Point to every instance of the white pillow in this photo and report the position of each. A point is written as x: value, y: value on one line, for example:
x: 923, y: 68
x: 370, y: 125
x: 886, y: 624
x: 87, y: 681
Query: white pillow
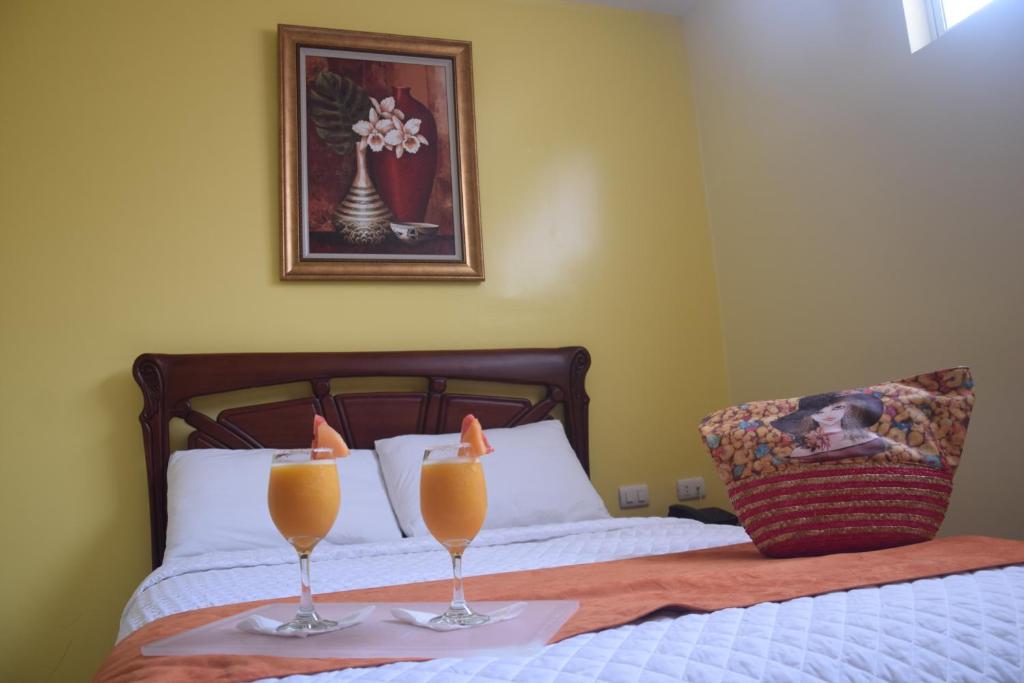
x: 217, y: 500
x: 533, y: 477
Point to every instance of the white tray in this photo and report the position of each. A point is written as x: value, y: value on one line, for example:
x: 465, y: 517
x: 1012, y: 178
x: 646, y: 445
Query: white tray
x: 380, y: 636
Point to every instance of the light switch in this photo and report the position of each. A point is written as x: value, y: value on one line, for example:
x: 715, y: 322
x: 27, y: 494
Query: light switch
x: 634, y: 496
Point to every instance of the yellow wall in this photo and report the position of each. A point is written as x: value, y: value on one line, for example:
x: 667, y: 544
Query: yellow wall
x: 139, y: 212
x: 866, y: 209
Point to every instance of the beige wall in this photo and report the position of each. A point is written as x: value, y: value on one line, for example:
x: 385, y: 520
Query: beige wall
x: 867, y: 211
x: 139, y: 212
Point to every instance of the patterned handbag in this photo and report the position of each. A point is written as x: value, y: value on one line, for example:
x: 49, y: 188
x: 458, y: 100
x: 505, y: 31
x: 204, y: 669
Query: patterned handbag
x: 845, y: 471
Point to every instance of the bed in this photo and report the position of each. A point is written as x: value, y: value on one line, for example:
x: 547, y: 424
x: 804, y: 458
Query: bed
x: 966, y: 626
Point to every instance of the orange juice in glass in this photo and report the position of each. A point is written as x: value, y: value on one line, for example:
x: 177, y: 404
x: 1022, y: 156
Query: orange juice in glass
x: 453, y: 500
x: 304, y: 497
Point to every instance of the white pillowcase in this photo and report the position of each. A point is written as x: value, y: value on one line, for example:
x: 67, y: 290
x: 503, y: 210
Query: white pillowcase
x: 217, y: 500
x: 533, y: 477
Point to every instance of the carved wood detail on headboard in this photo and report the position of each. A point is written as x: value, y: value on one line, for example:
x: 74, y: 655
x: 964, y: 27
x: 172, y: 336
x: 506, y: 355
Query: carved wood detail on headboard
x: 169, y: 383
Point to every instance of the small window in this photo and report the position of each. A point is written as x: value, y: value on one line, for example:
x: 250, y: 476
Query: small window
x: 955, y: 11
x: 929, y: 19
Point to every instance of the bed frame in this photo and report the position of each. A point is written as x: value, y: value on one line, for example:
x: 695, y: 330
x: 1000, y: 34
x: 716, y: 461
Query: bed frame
x: 169, y: 383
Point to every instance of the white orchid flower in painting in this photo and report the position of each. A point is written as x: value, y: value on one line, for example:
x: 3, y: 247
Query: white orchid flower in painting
x: 412, y: 139
x: 386, y: 128
x: 374, y: 131
x: 386, y: 108
x: 405, y: 137
x: 394, y: 137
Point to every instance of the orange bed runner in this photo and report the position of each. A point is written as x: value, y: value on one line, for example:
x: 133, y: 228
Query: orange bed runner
x: 610, y: 594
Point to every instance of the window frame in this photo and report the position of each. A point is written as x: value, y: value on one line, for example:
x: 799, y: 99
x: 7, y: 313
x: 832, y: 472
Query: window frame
x: 926, y: 21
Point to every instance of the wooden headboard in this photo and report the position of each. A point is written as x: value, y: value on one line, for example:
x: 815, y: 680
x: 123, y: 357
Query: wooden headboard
x: 170, y: 383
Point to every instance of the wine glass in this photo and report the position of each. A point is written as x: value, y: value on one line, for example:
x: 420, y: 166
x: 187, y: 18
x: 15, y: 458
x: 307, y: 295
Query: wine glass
x: 303, y: 497
x: 453, y: 500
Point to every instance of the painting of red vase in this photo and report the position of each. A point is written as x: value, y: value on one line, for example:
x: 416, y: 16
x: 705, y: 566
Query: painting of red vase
x: 385, y: 177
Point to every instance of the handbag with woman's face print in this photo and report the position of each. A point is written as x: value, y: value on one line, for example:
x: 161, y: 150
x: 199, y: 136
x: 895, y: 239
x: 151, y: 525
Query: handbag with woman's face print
x: 845, y: 471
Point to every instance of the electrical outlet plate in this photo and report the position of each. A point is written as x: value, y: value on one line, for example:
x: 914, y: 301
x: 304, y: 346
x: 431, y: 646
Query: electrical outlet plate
x: 690, y: 489
x: 635, y: 496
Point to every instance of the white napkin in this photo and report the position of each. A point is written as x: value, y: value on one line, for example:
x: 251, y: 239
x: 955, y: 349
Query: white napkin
x: 268, y: 627
x: 423, y: 618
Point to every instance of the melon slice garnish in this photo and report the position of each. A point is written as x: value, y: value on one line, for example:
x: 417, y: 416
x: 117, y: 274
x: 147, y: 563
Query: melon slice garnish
x: 474, y: 438
x: 324, y: 436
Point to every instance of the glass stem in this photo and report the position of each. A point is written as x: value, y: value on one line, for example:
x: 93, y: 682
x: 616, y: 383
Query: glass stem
x: 306, y: 610
x: 458, y: 597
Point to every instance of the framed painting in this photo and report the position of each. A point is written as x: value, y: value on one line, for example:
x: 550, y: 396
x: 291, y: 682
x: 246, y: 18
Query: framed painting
x: 378, y: 157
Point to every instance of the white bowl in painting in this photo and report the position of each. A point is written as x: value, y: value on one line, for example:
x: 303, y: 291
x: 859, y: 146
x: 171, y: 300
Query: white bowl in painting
x: 411, y: 233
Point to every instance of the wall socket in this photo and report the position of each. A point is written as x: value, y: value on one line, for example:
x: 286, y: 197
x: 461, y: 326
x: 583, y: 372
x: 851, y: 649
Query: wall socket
x: 689, y: 489
x: 635, y: 496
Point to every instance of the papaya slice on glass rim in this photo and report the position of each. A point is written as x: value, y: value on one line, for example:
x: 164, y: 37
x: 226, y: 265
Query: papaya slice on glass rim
x: 324, y: 436
x: 474, y: 438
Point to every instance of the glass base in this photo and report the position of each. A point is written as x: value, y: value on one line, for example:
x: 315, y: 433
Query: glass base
x: 463, y: 618
x: 307, y: 624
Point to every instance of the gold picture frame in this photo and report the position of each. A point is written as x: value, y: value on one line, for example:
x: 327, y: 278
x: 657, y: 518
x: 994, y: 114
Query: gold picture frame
x: 378, y: 157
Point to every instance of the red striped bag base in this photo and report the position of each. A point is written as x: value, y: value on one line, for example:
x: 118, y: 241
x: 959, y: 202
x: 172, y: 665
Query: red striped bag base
x: 848, y: 509
x: 847, y: 471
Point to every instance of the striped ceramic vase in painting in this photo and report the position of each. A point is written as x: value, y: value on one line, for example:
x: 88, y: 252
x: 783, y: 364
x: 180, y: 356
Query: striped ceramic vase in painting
x: 362, y: 217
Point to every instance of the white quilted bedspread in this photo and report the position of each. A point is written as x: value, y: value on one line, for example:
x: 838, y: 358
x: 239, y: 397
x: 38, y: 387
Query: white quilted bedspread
x: 965, y: 627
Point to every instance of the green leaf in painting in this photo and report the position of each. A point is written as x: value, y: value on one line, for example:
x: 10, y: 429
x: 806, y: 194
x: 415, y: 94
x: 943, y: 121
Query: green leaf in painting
x: 338, y: 103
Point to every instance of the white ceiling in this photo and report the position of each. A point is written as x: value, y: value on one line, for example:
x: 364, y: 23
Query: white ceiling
x: 676, y: 7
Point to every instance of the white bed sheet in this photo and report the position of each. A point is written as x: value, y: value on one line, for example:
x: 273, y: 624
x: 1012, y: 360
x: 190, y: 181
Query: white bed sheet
x: 965, y: 627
